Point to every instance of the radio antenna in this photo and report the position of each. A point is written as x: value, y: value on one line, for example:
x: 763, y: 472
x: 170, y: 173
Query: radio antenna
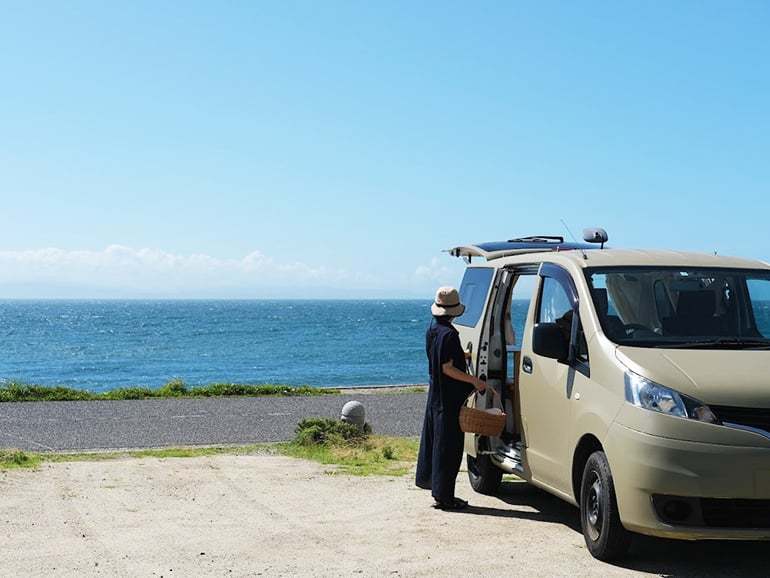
x: 571, y: 234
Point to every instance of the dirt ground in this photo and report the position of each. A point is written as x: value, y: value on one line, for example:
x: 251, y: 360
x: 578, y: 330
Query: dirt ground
x: 275, y: 516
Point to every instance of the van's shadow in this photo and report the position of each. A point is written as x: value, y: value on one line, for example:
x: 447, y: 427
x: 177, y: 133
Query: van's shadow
x: 655, y: 555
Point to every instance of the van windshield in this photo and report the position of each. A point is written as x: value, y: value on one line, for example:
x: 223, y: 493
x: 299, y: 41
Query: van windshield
x: 683, y: 308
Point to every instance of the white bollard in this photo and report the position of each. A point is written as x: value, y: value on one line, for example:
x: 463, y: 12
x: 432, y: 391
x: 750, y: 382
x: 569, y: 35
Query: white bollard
x: 353, y: 412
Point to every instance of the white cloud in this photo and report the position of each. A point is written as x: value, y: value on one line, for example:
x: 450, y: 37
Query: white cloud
x: 439, y: 272
x: 121, y: 270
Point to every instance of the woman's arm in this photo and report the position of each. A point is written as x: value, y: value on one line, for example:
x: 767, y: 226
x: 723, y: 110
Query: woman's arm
x: 450, y: 370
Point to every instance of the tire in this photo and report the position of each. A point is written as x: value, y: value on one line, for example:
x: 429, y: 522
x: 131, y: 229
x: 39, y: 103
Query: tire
x: 485, y: 476
x: 605, y: 536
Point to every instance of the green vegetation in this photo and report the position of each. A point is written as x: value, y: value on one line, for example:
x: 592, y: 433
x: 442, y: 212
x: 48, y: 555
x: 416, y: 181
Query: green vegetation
x: 414, y: 389
x: 377, y: 456
x: 179, y: 452
x: 326, y: 431
x: 355, y: 451
x: 391, y: 389
x: 16, y: 391
x: 13, y: 459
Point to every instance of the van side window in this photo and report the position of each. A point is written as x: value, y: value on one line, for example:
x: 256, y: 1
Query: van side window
x: 554, y: 302
x: 473, y: 294
x: 556, y: 307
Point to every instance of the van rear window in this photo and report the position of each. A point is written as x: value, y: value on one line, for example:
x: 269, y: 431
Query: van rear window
x: 473, y: 294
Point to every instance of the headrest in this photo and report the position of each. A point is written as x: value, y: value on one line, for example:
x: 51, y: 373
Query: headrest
x: 696, y: 304
x: 602, y: 301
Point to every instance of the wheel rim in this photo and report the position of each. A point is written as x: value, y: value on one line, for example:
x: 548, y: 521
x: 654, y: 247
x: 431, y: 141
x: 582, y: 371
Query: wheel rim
x: 594, y: 511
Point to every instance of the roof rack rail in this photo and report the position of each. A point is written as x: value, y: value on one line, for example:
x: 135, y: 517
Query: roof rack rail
x: 538, y: 239
x: 495, y: 250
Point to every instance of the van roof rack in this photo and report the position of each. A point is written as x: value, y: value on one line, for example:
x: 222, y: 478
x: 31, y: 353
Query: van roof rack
x: 538, y: 239
x: 518, y: 246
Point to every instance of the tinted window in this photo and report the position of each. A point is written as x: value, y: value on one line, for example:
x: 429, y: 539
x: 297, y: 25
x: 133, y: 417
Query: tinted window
x: 473, y: 294
x: 684, y: 307
x: 556, y: 307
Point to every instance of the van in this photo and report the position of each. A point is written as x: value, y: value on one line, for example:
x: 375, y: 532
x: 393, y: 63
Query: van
x: 636, y: 384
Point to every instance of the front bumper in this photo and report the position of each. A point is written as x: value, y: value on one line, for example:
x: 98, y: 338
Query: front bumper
x: 645, y: 465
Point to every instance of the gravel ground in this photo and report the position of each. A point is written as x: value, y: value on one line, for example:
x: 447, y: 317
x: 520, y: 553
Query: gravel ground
x: 90, y: 425
x: 274, y: 516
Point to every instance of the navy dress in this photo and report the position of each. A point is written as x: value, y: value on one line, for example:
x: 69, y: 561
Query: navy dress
x: 441, y: 445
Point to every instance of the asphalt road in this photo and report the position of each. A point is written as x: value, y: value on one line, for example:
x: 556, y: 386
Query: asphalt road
x: 91, y: 425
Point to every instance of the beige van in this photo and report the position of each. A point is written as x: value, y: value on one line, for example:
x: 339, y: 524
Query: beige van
x: 636, y: 384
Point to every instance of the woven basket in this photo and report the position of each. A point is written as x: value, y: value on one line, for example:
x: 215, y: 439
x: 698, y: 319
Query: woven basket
x: 480, y: 422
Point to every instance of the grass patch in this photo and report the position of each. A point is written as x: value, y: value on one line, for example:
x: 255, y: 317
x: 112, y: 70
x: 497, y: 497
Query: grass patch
x: 386, y: 389
x: 377, y: 456
x: 414, y: 389
x: 177, y: 452
x: 353, y: 450
x: 12, y: 459
x: 17, y: 391
x: 15, y: 459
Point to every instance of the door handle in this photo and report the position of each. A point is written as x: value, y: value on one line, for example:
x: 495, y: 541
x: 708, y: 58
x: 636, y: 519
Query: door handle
x: 526, y: 364
x: 469, y: 358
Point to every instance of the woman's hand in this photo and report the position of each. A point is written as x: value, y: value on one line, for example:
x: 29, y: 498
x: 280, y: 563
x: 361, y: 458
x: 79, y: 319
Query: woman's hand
x: 479, y: 384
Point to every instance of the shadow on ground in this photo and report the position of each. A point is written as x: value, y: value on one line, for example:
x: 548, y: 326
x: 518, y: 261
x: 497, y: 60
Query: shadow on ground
x: 664, y: 557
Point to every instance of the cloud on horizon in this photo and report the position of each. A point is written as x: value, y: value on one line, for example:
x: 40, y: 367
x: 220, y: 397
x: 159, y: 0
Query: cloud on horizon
x: 120, y: 271
x: 125, y: 271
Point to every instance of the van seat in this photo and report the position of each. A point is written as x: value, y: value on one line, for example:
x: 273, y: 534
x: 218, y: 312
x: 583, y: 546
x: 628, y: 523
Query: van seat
x: 694, y: 315
x: 612, y: 324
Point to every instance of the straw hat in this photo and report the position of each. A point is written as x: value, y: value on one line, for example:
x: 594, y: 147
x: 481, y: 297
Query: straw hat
x: 447, y: 303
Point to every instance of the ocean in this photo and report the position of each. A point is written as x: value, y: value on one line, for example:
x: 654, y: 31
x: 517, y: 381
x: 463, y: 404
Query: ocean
x: 102, y: 345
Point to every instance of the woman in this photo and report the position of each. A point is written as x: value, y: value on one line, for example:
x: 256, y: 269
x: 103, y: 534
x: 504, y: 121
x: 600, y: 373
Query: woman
x: 441, y: 446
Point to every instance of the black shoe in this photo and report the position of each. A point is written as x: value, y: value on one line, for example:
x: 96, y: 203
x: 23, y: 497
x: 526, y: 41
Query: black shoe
x: 454, y: 504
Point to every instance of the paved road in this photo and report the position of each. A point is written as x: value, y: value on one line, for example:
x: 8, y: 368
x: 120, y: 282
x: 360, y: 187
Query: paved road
x: 89, y: 425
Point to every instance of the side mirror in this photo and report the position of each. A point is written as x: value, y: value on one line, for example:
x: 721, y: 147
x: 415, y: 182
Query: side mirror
x: 595, y: 236
x: 549, y: 341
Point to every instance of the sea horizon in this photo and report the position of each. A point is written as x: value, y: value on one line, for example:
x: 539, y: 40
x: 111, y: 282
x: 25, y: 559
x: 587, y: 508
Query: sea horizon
x: 75, y: 299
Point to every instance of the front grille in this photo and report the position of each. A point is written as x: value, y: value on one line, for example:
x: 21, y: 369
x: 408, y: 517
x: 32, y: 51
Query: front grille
x: 756, y: 417
x: 723, y: 513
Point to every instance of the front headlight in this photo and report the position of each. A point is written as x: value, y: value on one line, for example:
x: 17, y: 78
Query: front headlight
x: 647, y: 394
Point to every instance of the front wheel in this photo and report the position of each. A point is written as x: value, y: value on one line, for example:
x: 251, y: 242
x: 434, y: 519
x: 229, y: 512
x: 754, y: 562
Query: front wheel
x: 605, y: 536
x: 485, y: 476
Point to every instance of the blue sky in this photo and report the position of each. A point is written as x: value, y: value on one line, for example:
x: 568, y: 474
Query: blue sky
x: 254, y: 149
